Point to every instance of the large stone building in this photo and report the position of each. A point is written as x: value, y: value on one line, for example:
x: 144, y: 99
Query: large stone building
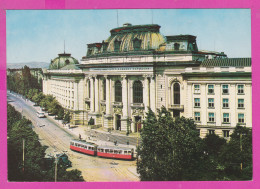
x: 137, y: 67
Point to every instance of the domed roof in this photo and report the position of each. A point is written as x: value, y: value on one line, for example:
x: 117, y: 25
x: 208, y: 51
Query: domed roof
x: 138, y: 37
x: 62, y: 60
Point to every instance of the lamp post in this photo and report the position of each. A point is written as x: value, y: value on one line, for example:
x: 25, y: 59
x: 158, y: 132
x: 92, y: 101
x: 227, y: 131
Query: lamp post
x: 23, y: 154
x: 241, y: 148
x: 56, y: 168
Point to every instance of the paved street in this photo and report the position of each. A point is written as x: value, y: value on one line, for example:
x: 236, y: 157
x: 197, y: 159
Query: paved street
x: 57, y: 138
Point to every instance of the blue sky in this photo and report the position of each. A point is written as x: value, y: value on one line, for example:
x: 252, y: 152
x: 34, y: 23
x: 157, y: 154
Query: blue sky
x: 38, y: 35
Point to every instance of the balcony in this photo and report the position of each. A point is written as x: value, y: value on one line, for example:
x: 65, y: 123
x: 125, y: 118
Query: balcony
x: 137, y: 105
x: 176, y: 107
x: 117, y: 104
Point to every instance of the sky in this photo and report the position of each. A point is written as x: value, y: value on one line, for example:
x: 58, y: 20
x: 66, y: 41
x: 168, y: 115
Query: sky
x: 38, y: 35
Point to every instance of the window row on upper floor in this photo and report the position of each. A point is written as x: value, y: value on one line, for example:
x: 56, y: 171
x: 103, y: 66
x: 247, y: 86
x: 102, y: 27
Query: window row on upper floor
x: 224, y: 87
x: 225, y: 103
x: 211, y: 117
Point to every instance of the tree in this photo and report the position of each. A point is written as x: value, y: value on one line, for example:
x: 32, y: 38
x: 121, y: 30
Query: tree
x: 170, y: 149
x: 26, y: 78
x: 37, y: 97
x: 236, y: 156
x: 213, y: 145
x: 60, y: 114
x: 53, y: 107
x: 36, y: 166
x: 66, y: 118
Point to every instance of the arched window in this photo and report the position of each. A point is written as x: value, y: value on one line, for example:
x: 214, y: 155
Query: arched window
x: 138, y: 92
x: 137, y: 44
x: 104, y: 89
x: 117, y: 44
x: 118, y: 91
x: 176, y: 93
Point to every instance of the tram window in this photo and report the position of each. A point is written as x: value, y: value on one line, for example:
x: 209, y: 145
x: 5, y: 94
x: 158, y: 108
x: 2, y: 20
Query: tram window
x: 98, y: 150
x: 76, y: 144
x: 129, y: 152
x: 120, y: 151
x: 106, y: 150
x: 89, y: 148
x: 125, y: 152
x: 116, y: 152
x: 102, y: 150
x: 111, y: 151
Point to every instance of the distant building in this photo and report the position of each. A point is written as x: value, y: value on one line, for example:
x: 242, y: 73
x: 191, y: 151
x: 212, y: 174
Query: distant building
x: 137, y: 67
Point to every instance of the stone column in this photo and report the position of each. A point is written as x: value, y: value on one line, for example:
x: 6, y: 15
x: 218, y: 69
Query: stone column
x: 108, y: 112
x: 92, y: 97
x: 76, y: 107
x: 152, y: 95
x: 108, y: 122
x: 146, y: 93
x: 124, y: 119
x: 96, y: 94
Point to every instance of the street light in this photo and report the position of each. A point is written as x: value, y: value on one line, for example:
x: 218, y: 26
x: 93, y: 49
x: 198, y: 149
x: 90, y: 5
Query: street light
x: 241, y: 147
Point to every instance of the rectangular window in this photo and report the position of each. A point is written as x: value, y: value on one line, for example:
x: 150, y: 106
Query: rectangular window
x: 211, y: 132
x: 196, y: 88
x: 197, y: 102
x: 211, y: 102
x: 225, y: 89
x: 240, y: 103
x: 225, y: 103
x: 225, y: 133
x: 210, y: 89
x: 197, y: 116
x: 226, y: 118
x: 211, y: 117
x: 241, y: 118
x: 240, y: 89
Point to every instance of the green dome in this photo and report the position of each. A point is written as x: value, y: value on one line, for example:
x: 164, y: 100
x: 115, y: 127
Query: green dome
x: 62, y: 61
x: 148, y: 36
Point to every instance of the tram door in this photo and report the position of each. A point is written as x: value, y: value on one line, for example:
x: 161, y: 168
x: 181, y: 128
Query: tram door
x: 137, y: 123
x: 118, y: 122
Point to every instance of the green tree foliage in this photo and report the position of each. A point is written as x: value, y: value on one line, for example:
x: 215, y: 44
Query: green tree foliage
x: 53, y: 107
x: 67, y: 117
x: 35, y: 168
x: 37, y: 97
x: 26, y: 78
x: 60, y: 114
x: 22, y: 82
x: 170, y: 149
x: 213, y: 144
x: 238, y: 150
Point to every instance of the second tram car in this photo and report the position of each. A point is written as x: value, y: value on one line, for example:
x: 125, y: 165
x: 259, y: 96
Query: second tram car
x: 115, y: 152
x: 93, y: 149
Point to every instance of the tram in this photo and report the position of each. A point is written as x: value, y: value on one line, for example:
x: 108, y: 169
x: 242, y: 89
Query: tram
x: 83, y: 147
x: 93, y: 149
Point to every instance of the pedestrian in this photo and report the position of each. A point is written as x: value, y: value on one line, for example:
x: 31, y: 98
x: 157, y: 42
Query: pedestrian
x: 127, y: 142
x: 115, y: 143
x: 79, y: 137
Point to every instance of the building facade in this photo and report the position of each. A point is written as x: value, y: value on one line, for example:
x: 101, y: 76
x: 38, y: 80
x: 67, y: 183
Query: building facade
x: 138, y: 68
